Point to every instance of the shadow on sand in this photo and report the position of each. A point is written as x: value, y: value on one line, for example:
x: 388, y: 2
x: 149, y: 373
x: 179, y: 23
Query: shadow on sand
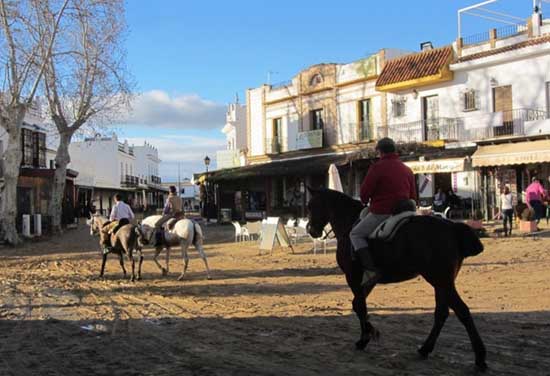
x: 516, y: 344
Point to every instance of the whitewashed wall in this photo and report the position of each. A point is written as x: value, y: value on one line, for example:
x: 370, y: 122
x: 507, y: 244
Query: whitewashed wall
x: 257, y: 132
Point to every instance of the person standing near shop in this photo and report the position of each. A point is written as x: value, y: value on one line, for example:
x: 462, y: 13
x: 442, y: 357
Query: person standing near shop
x: 535, y: 194
x: 507, y: 210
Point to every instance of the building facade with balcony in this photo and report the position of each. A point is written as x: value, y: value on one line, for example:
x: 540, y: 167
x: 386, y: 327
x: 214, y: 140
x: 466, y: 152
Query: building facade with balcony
x: 472, y: 93
x: 450, y: 108
x: 109, y: 167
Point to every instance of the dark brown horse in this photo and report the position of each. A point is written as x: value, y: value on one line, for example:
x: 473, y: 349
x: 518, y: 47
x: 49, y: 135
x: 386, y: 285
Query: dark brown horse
x: 426, y: 246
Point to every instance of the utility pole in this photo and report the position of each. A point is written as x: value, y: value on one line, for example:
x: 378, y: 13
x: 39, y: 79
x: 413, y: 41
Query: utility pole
x: 179, y: 181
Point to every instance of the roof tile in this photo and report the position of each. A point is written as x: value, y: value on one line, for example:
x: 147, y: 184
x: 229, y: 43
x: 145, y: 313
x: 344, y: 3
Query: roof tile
x: 413, y: 66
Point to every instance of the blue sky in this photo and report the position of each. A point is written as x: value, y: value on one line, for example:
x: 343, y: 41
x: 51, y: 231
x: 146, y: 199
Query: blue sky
x: 189, y: 58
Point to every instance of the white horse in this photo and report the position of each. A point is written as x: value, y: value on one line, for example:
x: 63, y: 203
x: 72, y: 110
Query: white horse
x: 185, y: 232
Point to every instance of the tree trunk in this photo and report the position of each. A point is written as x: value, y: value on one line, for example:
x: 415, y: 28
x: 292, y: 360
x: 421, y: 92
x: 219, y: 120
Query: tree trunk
x: 62, y: 159
x: 11, y: 167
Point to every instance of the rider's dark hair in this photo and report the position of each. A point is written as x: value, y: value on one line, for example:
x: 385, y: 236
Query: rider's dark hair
x: 172, y: 189
x: 386, y: 145
x: 118, y: 197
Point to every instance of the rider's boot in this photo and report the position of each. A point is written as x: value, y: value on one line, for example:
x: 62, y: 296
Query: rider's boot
x: 370, y: 274
x: 158, y: 238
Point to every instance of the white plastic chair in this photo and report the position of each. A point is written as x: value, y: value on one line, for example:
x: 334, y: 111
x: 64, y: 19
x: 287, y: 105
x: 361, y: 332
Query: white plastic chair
x: 325, y: 240
x: 240, y: 232
x: 254, y: 229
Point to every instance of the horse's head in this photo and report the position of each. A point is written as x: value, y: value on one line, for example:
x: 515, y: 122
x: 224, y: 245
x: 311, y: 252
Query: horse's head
x: 96, y: 222
x: 336, y: 208
x: 318, y: 212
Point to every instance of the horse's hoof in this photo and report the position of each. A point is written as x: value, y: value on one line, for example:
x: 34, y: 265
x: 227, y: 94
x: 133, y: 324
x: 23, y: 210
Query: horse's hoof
x: 481, y: 365
x: 361, y: 344
x: 139, y: 278
x: 209, y: 278
x: 181, y: 277
x: 164, y: 272
x: 423, y: 353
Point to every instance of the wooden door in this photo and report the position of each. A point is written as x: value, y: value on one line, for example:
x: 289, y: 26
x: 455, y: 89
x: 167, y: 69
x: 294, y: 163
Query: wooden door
x: 502, y: 102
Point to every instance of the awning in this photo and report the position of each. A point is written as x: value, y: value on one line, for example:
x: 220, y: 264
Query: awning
x: 289, y: 167
x: 512, y: 153
x: 437, y: 166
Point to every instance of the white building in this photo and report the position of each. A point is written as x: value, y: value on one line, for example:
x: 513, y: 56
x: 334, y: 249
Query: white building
x: 235, y: 133
x: 109, y: 166
x: 441, y: 104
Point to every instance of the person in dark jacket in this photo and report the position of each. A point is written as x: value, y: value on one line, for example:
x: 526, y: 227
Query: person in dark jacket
x: 388, y: 181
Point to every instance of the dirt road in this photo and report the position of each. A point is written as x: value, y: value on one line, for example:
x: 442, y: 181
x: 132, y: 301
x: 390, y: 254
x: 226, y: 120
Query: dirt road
x: 260, y: 315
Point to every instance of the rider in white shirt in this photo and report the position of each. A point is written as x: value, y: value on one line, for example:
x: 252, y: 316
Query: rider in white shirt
x: 121, y: 214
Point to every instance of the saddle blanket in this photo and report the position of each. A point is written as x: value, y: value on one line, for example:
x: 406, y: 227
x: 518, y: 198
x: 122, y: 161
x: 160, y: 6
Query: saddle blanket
x: 387, y: 229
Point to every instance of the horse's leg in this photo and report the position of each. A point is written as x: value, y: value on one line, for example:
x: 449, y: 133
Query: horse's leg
x: 155, y: 259
x: 133, y: 261
x: 441, y: 314
x: 202, y: 254
x: 103, y: 261
x: 185, y: 257
x: 167, y: 259
x: 463, y: 313
x: 121, y: 261
x: 368, y: 331
x: 139, y: 266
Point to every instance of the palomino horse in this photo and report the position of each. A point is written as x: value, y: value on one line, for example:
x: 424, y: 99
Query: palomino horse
x: 127, y: 239
x: 185, y: 232
x: 426, y: 246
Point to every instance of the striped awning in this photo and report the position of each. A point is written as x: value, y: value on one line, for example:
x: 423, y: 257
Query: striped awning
x: 512, y: 154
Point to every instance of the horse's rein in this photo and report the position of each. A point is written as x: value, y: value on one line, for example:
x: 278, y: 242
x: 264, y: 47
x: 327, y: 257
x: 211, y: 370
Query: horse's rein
x: 327, y: 234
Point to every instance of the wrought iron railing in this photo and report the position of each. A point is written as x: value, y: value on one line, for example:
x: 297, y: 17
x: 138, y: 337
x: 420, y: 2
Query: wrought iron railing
x: 505, y: 124
x: 281, y: 84
x: 421, y: 130
x: 155, y: 179
x: 510, y: 30
x: 129, y: 181
x: 476, y: 38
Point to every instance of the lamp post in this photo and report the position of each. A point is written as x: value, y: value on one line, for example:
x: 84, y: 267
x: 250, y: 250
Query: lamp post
x: 206, y: 163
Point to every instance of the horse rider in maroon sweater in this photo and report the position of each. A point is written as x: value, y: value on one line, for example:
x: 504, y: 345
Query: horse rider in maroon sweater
x: 388, y: 181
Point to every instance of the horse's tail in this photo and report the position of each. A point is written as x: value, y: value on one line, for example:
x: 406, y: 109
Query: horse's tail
x: 467, y: 239
x: 198, y: 233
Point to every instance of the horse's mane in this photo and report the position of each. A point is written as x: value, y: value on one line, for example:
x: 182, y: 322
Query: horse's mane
x: 343, y: 200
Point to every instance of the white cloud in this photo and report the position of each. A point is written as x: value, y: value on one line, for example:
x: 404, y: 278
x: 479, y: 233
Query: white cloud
x: 187, y: 151
x: 158, y: 109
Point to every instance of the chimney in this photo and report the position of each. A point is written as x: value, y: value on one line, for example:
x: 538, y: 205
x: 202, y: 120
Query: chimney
x: 425, y: 46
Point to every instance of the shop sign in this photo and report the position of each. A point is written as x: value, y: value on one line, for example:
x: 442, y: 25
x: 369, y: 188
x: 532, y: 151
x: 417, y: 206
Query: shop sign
x: 436, y: 166
x: 309, y: 139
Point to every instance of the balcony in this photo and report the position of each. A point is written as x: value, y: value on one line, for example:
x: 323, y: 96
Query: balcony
x: 155, y: 180
x: 485, y: 126
x: 503, y: 124
x: 129, y: 181
x: 422, y: 130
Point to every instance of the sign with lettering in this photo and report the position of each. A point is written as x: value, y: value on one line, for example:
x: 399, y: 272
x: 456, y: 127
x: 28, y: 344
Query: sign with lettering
x: 436, y: 166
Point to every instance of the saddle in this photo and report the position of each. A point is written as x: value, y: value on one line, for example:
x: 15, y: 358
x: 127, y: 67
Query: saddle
x: 386, y: 230
x: 169, y: 225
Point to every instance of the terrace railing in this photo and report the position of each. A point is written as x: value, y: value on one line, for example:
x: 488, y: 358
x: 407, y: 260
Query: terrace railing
x: 498, y: 124
x: 421, y: 130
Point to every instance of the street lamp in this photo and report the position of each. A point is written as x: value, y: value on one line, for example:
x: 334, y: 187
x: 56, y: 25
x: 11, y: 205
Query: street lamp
x: 206, y: 163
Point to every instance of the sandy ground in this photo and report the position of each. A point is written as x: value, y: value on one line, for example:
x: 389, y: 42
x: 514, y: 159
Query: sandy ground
x: 260, y: 314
